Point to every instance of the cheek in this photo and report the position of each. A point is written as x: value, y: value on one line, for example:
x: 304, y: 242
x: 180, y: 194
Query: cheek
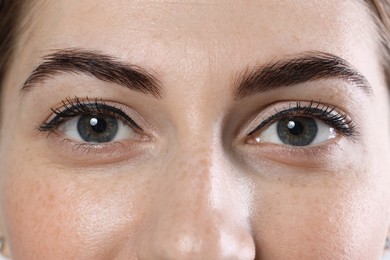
x: 336, y: 217
x: 50, y: 213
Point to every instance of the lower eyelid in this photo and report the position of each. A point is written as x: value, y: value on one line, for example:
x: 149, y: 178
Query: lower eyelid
x: 66, y: 151
x: 324, y: 156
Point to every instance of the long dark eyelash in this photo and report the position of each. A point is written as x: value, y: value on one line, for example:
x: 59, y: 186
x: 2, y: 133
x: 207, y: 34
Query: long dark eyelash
x: 76, y: 107
x: 341, y: 122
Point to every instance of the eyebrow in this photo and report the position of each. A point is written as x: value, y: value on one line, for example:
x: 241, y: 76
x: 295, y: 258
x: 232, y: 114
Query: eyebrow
x: 309, y: 66
x: 100, y: 66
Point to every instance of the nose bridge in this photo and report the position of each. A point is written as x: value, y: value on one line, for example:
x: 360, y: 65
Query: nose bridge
x: 195, y: 214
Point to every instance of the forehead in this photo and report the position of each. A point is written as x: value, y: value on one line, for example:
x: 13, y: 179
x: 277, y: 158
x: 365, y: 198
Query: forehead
x: 268, y: 28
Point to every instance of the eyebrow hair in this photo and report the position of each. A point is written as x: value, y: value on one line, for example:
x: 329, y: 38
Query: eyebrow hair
x: 100, y: 66
x: 309, y: 66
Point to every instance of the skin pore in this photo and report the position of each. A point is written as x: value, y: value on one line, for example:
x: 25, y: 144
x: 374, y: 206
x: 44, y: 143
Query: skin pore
x: 194, y: 181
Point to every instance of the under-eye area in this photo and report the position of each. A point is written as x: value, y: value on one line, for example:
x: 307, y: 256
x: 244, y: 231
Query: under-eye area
x: 300, y: 124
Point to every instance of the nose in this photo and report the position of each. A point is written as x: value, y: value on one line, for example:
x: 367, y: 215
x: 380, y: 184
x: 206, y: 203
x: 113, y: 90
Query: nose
x: 200, y: 212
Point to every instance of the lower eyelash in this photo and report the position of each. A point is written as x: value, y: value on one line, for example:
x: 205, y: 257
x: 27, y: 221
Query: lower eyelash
x: 341, y: 122
x: 77, y: 107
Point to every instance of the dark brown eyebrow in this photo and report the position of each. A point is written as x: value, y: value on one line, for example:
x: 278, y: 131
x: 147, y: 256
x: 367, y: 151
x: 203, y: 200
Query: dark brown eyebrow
x: 309, y: 66
x: 100, y: 66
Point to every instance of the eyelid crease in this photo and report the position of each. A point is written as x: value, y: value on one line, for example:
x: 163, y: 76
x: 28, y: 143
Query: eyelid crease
x: 323, y: 112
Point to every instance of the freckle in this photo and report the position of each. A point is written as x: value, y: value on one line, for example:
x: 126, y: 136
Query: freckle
x: 50, y: 197
x: 296, y: 38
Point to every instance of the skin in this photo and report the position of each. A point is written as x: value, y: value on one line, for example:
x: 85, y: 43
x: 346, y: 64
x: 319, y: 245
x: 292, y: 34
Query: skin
x: 195, y: 188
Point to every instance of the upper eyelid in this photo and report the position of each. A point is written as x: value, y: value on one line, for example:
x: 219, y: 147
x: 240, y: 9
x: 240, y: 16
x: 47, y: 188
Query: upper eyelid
x: 79, y: 107
x: 288, y: 111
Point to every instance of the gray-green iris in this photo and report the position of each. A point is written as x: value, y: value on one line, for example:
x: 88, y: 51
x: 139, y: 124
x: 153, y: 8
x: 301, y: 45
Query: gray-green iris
x: 297, y: 131
x: 97, y: 128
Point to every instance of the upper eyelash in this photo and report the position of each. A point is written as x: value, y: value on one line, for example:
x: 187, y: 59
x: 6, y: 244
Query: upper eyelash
x: 340, y: 121
x: 76, y: 107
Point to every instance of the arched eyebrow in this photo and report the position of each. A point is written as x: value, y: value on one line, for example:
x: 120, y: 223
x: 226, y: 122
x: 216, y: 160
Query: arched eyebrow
x: 306, y: 67
x: 95, y: 64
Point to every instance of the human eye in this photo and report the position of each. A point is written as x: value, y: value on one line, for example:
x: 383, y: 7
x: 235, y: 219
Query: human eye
x: 301, y: 124
x: 92, y: 122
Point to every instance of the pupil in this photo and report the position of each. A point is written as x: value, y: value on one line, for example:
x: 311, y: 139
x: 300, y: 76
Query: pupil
x: 98, y: 125
x: 297, y: 129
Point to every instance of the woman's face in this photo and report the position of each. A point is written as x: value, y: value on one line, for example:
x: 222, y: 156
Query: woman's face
x: 196, y: 130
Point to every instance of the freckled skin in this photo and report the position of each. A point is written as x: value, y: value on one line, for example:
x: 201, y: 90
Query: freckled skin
x: 196, y: 189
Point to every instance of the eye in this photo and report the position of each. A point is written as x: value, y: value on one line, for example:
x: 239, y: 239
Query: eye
x: 301, y: 126
x: 297, y: 131
x: 97, y: 129
x: 93, y: 122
